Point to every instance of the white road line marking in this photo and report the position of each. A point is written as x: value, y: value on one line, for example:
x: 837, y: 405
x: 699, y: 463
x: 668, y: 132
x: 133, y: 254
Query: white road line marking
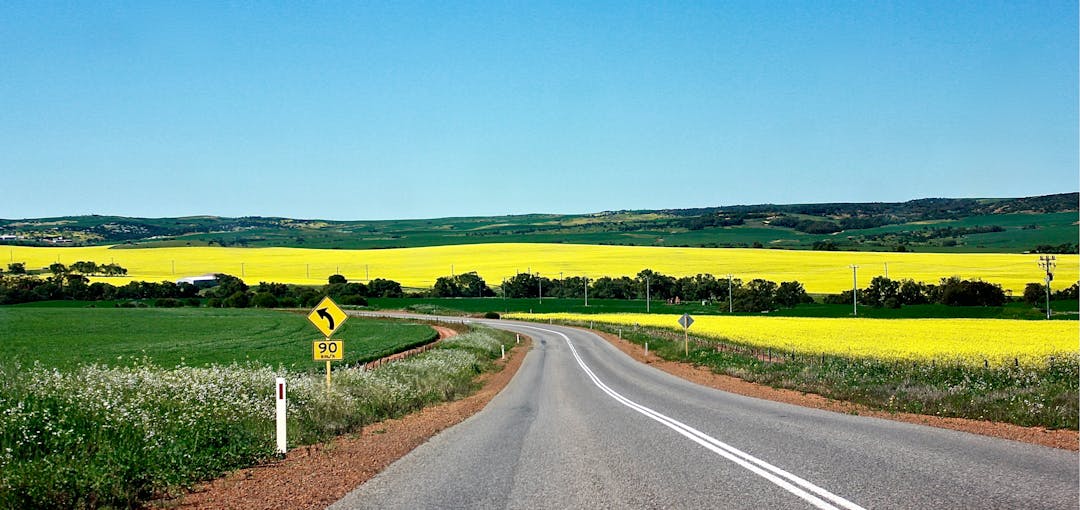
x: 788, y: 481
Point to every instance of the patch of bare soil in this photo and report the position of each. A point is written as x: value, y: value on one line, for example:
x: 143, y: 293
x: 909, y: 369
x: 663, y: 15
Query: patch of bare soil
x: 313, y: 477
x: 1064, y: 439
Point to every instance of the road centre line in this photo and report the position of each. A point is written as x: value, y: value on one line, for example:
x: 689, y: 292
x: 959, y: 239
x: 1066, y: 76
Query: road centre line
x: 788, y: 481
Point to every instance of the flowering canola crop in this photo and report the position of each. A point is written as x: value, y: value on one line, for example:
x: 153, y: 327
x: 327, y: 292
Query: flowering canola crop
x: 820, y: 272
x: 968, y: 341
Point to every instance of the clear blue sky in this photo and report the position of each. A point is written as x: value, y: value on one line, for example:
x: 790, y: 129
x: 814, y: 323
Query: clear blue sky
x: 361, y: 110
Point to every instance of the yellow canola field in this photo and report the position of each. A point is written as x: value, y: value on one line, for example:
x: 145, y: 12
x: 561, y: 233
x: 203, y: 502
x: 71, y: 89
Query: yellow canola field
x: 969, y: 341
x: 820, y: 272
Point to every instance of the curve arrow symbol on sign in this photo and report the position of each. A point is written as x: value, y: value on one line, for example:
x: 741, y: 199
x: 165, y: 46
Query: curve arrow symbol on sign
x: 326, y: 315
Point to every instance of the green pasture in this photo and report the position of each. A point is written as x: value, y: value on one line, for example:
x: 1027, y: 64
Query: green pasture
x: 1022, y: 232
x: 65, y: 337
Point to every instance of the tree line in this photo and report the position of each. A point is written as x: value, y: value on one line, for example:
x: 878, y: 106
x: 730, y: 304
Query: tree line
x: 756, y: 295
x: 752, y: 296
x: 228, y: 291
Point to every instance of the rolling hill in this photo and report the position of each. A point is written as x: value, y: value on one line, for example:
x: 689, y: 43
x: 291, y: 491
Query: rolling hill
x: 1004, y: 225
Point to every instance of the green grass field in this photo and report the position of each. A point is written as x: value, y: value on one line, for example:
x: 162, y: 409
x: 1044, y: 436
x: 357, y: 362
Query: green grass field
x: 1065, y: 310
x: 1052, y: 228
x: 65, y: 337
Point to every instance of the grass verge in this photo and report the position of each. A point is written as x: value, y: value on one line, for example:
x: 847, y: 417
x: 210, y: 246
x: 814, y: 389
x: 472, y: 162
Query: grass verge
x: 96, y: 436
x: 1044, y: 396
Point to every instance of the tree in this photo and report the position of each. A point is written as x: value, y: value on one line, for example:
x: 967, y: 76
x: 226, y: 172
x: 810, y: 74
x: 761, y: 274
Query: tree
x: 1071, y: 292
x: 264, y: 300
x: 78, y: 286
x: 85, y: 267
x: 572, y: 287
x: 472, y: 285
x: 346, y: 292
x: 463, y: 285
x: 384, y: 288
x: 278, y: 290
x: 336, y: 278
x: 446, y: 286
x: 238, y: 299
x: 17, y: 268
x: 790, y: 294
x: 882, y: 292
x: 957, y: 292
x: 612, y: 288
x: 757, y: 295
x: 522, y: 285
x: 112, y: 270
x: 843, y: 298
x: 660, y: 286
x: 912, y: 292
x: 700, y: 287
x: 1034, y: 294
x: 228, y: 285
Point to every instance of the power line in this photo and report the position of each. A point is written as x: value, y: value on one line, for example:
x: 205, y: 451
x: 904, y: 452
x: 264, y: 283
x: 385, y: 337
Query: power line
x: 1048, y: 263
x: 855, y: 289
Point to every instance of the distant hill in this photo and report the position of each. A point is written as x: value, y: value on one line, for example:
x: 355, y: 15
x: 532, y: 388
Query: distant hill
x: 1045, y: 223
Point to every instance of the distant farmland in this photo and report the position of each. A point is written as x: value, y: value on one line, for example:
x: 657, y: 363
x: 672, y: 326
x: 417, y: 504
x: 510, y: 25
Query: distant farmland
x: 820, y: 272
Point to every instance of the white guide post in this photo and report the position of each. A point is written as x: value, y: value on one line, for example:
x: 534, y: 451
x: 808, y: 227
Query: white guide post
x: 279, y: 392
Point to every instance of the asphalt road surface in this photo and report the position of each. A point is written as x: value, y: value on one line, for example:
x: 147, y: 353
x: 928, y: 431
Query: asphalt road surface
x: 582, y: 425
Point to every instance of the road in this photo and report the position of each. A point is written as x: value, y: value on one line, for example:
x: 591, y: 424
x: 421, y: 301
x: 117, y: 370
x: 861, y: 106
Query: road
x: 582, y: 425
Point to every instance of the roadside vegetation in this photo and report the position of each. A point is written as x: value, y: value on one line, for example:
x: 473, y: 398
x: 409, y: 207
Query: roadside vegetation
x: 97, y: 436
x: 1040, y: 390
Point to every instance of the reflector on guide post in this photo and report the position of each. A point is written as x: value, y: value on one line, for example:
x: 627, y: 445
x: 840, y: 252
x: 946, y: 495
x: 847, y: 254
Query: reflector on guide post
x: 281, y: 406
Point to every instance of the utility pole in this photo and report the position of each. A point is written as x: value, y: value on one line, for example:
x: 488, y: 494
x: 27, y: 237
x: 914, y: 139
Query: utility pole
x: 648, y: 300
x: 242, y: 270
x: 886, y: 270
x: 586, y: 291
x: 855, y: 289
x: 1048, y: 263
x: 367, y: 273
x: 730, y: 307
x: 540, y: 283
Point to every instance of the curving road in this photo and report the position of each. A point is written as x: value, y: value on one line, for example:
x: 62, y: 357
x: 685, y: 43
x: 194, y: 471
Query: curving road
x: 582, y: 425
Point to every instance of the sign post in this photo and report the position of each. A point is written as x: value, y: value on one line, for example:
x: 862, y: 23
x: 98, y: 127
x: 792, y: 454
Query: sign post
x: 282, y: 446
x: 327, y: 317
x: 685, y: 321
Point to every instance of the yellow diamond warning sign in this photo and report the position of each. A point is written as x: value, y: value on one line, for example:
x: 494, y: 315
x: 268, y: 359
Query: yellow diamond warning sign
x: 327, y: 316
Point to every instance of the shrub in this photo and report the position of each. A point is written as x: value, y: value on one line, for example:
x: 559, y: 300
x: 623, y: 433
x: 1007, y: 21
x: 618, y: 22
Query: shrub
x: 167, y: 303
x: 264, y: 300
x: 354, y: 300
x: 491, y: 315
